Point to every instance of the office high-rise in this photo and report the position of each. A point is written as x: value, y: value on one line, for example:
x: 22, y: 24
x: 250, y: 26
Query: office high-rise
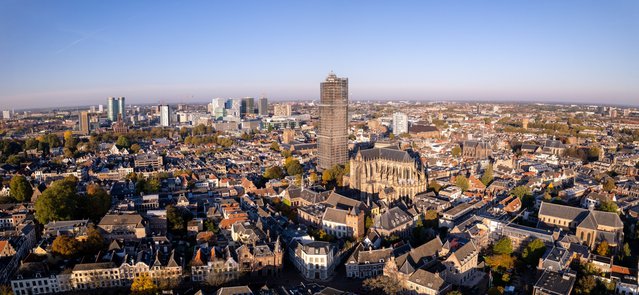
x: 262, y: 106
x: 333, y: 126
x: 121, y: 108
x: 248, y: 106
x: 115, y: 107
x: 165, y: 115
x: 83, y: 123
x: 400, y: 123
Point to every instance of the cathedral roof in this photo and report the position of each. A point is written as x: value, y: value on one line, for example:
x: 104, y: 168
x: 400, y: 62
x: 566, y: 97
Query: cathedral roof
x: 387, y: 153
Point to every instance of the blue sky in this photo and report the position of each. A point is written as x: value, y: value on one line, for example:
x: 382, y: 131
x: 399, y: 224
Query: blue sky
x: 67, y: 52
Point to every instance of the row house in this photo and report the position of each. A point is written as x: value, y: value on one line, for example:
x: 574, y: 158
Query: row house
x: 367, y: 263
x: 214, y: 263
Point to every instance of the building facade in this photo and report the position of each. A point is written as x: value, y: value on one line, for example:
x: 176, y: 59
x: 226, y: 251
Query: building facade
x: 116, y: 106
x: 400, y: 123
x: 389, y: 173
x: 333, y: 125
x: 165, y: 115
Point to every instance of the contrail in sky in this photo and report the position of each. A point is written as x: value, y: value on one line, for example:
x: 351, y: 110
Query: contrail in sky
x: 81, y: 39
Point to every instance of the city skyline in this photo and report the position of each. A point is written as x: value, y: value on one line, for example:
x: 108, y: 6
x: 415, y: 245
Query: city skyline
x: 78, y: 53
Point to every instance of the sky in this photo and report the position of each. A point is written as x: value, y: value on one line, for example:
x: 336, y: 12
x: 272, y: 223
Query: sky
x: 79, y: 52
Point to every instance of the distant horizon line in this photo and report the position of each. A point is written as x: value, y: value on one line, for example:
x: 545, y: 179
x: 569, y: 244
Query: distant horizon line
x: 306, y: 100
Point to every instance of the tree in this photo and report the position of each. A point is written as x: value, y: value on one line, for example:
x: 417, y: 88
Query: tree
x: 20, y: 188
x: 500, y: 262
x: 135, y: 148
x: 496, y: 290
x: 533, y: 251
x: 177, y: 218
x: 609, y: 184
x: 503, y: 247
x: 293, y: 166
x: 431, y: 219
x: 312, y: 177
x: 602, y: 249
x: 454, y: 293
x: 625, y: 253
x: 286, y: 153
x: 143, y: 284
x: 434, y: 186
x: 462, y: 182
x: 65, y: 246
x: 368, y: 222
x: 123, y: 142
x: 58, y: 202
x: 94, y: 242
x: 382, y: 283
x: 608, y: 206
x: 456, y: 151
x: 275, y: 146
x: 585, y: 284
x: 521, y: 191
x: 98, y: 202
x: 487, y: 177
x: 274, y: 172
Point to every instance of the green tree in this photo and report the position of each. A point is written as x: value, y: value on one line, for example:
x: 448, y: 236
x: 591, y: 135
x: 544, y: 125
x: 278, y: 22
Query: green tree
x: 20, y: 188
x: 65, y: 246
x: 58, y: 202
x: 626, y: 253
x: 177, y: 218
x: 462, y: 182
x: 609, y: 184
x: 585, y: 284
x: 487, y: 177
x: 293, y: 166
x: 608, y: 206
x: 98, y: 202
x: 143, y: 284
x: 94, y: 242
x: 274, y: 172
x: 456, y: 151
x: 503, y: 247
x: 123, y: 142
x: 275, y: 146
x: 521, y: 191
x: 455, y: 292
x: 533, y: 251
x: 385, y: 284
x: 368, y: 222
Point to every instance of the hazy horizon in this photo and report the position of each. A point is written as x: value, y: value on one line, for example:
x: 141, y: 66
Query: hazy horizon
x: 80, y: 52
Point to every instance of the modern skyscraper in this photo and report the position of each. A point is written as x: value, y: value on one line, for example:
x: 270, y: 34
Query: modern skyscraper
x: 248, y: 106
x: 83, y: 123
x: 400, y: 123
x: 116, y: 106
x: 262, y: 106
x: 112, y: 109
x: 121, y: 108
x: 165, y: 115
x: 333, y: 126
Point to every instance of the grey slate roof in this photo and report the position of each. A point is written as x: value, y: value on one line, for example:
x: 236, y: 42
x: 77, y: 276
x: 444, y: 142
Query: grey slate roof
x: 387, y: 153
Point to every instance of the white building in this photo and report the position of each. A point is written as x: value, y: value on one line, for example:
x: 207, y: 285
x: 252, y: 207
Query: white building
x: 400, y: 123
x: 165, y: 115
x: 314, y: 259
